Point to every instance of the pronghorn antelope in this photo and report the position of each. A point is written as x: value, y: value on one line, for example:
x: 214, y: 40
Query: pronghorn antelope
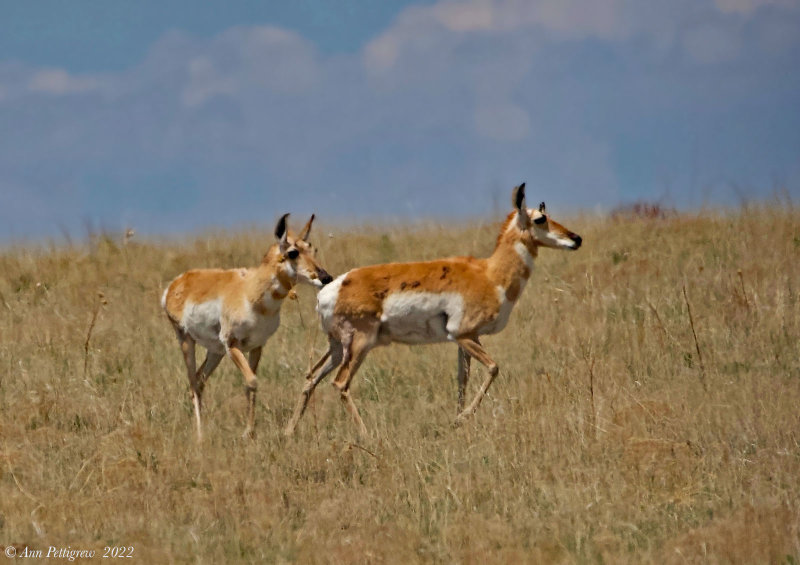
x: 235, y: 311
x: 456, y: 299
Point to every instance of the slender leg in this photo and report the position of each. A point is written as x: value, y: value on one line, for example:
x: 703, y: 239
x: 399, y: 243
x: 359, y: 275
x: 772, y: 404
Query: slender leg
x: 474, y: 349
x: 463, y: 375
x: 209, y: 365
x: 361, y: 345
x: 199, y: 383
x: 326, y: 364
x: 320, y: 362
x: 254, y: 357
x: 251, y: 385
x: 187, y: 348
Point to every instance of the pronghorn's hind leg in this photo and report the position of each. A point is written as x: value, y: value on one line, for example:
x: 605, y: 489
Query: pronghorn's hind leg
x: 327, y: 363
x: 187, y: 348
x: 199, y: 383
x: 463, y: 376
x: 473, y: 348
x: 364, y: 337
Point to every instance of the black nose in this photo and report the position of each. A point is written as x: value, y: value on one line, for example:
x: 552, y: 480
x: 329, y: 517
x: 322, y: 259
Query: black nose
x: 325, y: 278
x: 578, y: 240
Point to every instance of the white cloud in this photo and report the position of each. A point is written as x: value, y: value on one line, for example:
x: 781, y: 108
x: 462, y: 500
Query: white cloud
x: 59, y: 81
x: 575, y: 19
x: 267, y: 56
x: 467, y: 16
x: 603, y: 18
x: 381, y: 53
x: 609, y: 20
x: 572, y: 18
x: 709, y: 44
x: 205, y: 82
x: 747, y: 7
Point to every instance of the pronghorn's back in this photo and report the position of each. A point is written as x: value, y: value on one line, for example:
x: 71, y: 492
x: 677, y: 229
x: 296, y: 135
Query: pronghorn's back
x: 201, y: 285
x: 423, y: 302
x: 209, y: 304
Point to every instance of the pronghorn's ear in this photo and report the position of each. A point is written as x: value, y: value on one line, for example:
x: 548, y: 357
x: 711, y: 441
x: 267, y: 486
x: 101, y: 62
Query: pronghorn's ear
x: 282, y: 232
x: 306, y: 228
x: 518, y: 197
x: 518, y: 201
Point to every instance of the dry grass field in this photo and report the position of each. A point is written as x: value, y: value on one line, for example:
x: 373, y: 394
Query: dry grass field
x: 611, y: 435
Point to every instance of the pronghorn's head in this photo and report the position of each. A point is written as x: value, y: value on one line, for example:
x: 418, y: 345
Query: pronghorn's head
x: 299, y: 256
x: 545, y: 231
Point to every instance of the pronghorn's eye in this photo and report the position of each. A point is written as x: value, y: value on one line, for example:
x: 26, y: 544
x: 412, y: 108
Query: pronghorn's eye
x: 293, y: 254
x: 540, y: 220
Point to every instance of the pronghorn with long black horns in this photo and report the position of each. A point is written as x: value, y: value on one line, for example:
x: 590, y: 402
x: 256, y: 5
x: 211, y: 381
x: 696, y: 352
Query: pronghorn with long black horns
x: 457, y: 299
x: 235, y: 311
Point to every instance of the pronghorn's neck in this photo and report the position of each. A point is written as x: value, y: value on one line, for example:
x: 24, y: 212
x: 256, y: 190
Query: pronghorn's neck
x: 273, y: 278
x: 511, y: 263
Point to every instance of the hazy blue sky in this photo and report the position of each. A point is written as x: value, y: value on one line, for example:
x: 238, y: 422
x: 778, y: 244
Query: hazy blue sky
x: 173, y: 116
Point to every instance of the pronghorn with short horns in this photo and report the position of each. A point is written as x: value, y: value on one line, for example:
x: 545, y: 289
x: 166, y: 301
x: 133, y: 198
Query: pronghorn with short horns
x: 235, y: 311
x: 457, y: 299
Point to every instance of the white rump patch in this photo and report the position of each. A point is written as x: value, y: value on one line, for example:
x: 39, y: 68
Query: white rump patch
x: 164, y: 298
x: 422, y: 317
x: 326, y: 300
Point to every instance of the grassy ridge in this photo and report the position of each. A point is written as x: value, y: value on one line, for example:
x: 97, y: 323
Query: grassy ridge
x: 612, y: 434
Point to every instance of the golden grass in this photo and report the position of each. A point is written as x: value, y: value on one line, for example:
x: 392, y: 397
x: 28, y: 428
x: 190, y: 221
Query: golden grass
x: 604, y: 438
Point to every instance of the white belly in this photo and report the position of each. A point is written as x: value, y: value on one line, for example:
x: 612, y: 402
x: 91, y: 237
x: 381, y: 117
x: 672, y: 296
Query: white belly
x: 202, y: 322
x: 422, y: 317
x: 255, y: 332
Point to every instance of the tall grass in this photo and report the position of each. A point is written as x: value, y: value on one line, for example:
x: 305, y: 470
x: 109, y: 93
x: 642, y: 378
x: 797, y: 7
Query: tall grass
x: 618, y: 430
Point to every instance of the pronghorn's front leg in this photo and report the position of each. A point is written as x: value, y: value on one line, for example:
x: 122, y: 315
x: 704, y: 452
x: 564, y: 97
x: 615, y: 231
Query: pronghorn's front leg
x: 251, y: 385
x: 463, y: 375
x: 206, y: 368
x: 254, y: 357
x: 326, y: 364
x: 475, y: 349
